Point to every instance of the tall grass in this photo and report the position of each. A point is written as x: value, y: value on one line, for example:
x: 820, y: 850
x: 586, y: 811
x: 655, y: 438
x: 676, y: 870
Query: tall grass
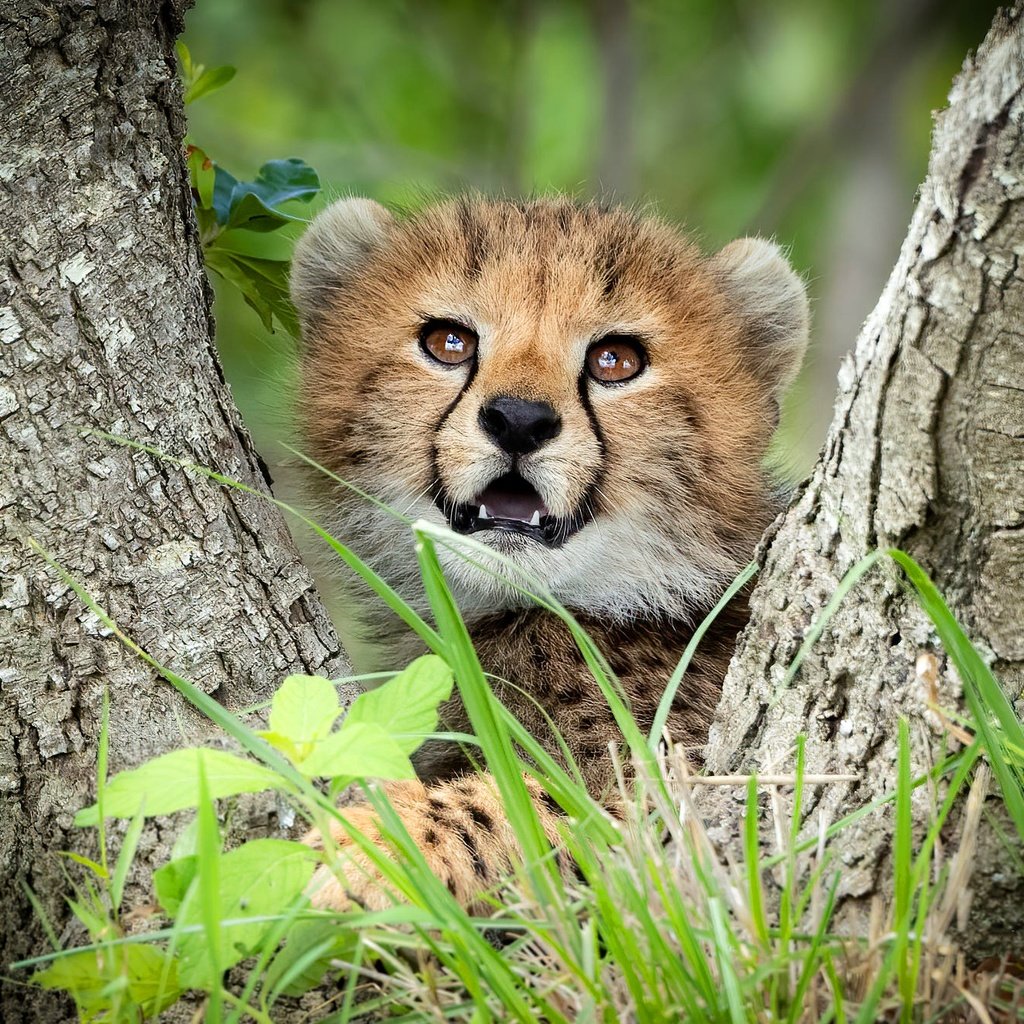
x: 656, y: 923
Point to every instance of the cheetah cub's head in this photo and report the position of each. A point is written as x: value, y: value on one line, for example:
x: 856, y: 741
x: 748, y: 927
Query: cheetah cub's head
x: 578, y: 387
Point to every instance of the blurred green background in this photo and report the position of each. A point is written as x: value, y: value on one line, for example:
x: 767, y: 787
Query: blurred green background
x: 806, y: 120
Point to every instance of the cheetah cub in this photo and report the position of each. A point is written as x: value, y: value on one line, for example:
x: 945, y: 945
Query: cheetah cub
x: 584, y: 392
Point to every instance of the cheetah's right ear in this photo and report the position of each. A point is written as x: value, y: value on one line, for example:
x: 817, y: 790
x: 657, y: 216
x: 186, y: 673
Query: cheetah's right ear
x: 771, y: 300
x: 339, y: 239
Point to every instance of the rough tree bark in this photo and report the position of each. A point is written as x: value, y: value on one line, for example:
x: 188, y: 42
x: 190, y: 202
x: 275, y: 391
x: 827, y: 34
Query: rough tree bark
x: 926, y: 453
x: 105, y: 322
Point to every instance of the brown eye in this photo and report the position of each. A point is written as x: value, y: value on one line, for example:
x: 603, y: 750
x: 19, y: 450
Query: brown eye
x: 448, y: 343
x: 614, y: 360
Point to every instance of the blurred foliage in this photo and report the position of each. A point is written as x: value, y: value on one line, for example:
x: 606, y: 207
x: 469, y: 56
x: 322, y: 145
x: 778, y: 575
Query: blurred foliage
x: 727, y: 116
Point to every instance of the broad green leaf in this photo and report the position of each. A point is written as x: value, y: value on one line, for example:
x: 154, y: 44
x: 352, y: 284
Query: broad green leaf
x: 263, y: 284
x: 253, y: 204
x: 186, y: 842
x: 263, y: 877
x: 306, y: 955
x: 148, y: 974
x: 207, y: 81
x: 171, y: 882
x: 303, y: 709
x: 276, y: 247
x: 251, y: 212
x: 406, y: 706
x: 223, y: 186
x: 282, y: 743
x: 361, y: 750
x: 202, y: 176
x: 169, y: 783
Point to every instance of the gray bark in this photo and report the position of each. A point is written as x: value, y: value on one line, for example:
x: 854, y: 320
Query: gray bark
x: 926, y: 453
x: 105, y: 322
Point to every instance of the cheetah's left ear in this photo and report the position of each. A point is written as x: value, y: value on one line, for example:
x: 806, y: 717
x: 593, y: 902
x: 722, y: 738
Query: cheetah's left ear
x: 772, y: 302
x: 338, y: 241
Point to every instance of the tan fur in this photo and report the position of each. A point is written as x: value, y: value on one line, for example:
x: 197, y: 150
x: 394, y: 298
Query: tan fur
x: 668, y: 463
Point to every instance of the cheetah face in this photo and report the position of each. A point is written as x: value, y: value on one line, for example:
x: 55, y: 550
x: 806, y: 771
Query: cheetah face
x: 578, y: 388
x: 530, y: 466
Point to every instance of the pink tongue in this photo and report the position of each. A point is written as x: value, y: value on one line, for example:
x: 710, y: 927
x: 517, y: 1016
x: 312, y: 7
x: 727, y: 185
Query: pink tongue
x: 506, y: 504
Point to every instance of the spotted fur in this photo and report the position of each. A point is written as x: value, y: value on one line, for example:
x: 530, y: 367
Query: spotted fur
x: 666, y: 469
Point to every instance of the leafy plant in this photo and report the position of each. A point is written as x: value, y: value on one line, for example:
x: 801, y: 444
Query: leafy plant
x: 238, y: 220
x: 226, y: 906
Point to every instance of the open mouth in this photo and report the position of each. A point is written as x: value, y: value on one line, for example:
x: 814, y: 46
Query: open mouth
x: 511, y: 504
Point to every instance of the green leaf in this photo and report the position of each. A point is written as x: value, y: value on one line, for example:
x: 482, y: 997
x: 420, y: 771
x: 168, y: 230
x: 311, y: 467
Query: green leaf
x: 263, y: 877
x: 252, y: 204
x: 306, y: 956
x: 201, y: 175
x: 187, y: 841
x: 223, y: 187
x: 282, y: 743
x: 361, y: 750
x: 208, y: 80
x: 171, y: 882
x: 276, y: 247
x: 125, y: 857
x: 304, y: 708
x: 248, y: 210
x: 263, y: 284
x: 148, y: 974
x: 187, y: 67
x: 169, y: 783
x: 280, y: 180
x: 97, y: 869
x: 406, y: 706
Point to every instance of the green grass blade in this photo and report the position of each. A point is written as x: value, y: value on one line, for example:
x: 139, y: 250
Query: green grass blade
x: 102, y: 757
x: 208, y: 851
x: 752, y: 864
x: 846, y: 584
x: 125, y: 857
x: 665, y: 704
x: 811, y: 961
x: 992, y: 713
x: 723, y: 955
x: 488, y: 725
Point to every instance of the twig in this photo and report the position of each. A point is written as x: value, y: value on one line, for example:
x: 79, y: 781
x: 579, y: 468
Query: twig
x: 766, y: 780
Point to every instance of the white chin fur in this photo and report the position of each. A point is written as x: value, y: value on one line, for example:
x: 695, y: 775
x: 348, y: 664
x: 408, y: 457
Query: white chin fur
x: 608, y: 568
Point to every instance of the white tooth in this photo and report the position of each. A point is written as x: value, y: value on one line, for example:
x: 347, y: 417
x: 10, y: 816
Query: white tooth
x: 483, y: 513
x: 535, y: 521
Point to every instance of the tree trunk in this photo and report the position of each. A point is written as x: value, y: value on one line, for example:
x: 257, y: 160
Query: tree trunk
x: 105, y: 322
x: 925, y: 453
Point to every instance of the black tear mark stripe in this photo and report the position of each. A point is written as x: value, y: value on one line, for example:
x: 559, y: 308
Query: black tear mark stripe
x: 435, y: 484
x: 593, y: 495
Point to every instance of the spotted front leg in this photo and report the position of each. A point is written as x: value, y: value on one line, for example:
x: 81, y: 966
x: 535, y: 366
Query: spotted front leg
x: 460, y: 827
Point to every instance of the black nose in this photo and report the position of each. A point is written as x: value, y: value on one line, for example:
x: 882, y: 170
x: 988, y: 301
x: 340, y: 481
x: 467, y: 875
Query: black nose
x: 519, y: 426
